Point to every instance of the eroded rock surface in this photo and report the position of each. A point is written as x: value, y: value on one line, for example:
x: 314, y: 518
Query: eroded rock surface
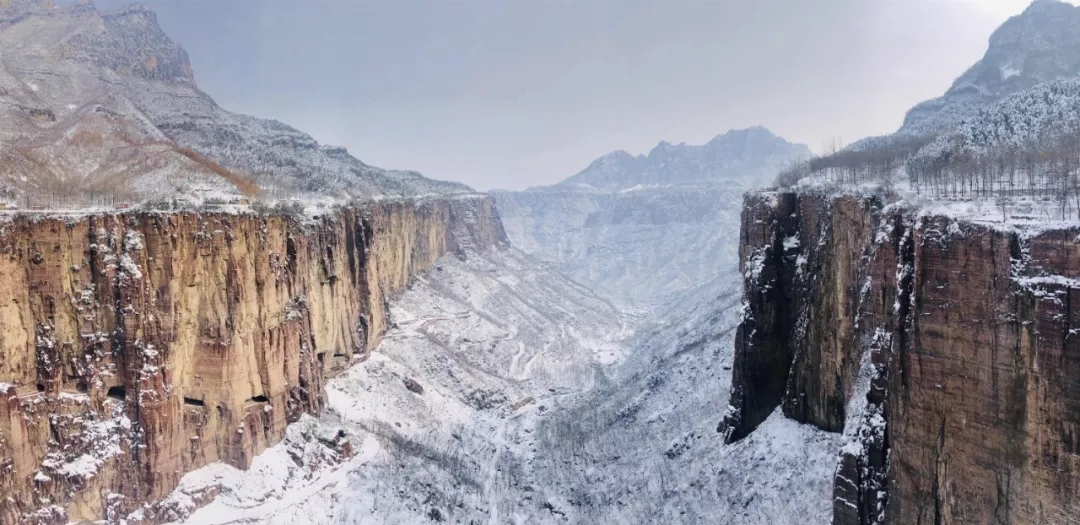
x: 943, y: 349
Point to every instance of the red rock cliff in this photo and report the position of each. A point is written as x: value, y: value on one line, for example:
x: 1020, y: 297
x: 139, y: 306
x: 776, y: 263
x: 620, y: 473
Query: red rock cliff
x: 947, y: 352
x: 137, y: 347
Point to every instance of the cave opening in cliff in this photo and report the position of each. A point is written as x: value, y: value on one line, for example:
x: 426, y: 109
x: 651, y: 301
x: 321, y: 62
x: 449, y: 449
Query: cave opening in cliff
x: 190, y: 401
x: 117, y: 392
x: 290, y: 255
x: 260, y: 399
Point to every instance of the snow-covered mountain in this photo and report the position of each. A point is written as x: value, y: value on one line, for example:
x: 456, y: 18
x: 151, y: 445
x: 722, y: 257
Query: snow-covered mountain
x: 638, y: 229
x: 1031, y: 120
x: 741, y: 156
x: 1036, y: 46
x: 104, y: 106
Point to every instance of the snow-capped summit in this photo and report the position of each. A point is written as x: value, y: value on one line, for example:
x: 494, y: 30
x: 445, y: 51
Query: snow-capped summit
x: 1036, y: 46
x: 745, y: 157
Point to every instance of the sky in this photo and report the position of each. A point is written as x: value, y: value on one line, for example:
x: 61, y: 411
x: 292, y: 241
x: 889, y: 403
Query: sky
x: 515, y: 93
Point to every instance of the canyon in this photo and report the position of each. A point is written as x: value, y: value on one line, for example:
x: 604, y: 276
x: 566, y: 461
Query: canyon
x: 211, y: 318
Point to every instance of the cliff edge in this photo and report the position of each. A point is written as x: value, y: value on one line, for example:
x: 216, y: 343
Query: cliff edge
x: 135, y: 347
x: 944, y: 349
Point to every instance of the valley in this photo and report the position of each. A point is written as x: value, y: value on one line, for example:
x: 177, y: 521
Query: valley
x: 539, y: 405
x: 209, y: 318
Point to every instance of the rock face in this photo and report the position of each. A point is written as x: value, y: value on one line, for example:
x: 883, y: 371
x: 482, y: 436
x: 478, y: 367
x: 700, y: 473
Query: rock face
x: 137, y: 347
x: 944, y: 350
x: 642, y: 229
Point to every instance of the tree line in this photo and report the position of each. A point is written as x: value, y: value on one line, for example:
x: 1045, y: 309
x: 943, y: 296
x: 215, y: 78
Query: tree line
x: 1048, y: 168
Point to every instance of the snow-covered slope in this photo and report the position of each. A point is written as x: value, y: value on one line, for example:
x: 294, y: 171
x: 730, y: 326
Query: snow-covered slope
x: 639, y: 229
x: 637, y: 247
x: 1032, y: 120
x: 98, y: 107
x: 537, y: 406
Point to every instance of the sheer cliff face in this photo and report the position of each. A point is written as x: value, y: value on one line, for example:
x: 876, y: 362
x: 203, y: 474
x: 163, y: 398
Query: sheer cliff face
x: 134, y: 348
x: 945, y: 351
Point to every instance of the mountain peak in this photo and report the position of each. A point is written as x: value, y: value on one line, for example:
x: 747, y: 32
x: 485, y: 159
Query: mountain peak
x: 1038, y: 6
x: 103, y: 105
x: 743, y: 157
x: 1040, y: 44
x: 139, y: 45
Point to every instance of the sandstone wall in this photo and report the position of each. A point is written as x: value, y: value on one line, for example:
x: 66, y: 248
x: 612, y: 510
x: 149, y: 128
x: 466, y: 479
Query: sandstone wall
x: 137, y: 347
x: 947, y: 352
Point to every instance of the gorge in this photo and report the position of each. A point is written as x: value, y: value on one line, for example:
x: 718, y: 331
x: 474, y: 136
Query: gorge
x: 210, y: 318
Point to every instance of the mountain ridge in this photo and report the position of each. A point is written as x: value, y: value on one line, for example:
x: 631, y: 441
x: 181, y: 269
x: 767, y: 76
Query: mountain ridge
x: 103, y: 107
x: 733, y: 156
x: 643, y: 228
x: 1040, y: 44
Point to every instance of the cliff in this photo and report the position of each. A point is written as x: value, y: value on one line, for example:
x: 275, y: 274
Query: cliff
x: 137, y: 347
x: 946, y: 351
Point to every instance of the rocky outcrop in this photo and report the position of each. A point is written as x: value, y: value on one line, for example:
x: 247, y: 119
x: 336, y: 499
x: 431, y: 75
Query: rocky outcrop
x: 946, y: 351
x: 137, y: 347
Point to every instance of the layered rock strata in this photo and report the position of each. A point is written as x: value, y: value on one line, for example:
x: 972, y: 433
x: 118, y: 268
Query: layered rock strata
x: 946, y: 351
x: 137, y: 347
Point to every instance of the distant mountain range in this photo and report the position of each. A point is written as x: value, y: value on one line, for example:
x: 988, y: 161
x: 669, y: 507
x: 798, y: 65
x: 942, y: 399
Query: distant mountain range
x: 641, y: 229
x: 744, y: 156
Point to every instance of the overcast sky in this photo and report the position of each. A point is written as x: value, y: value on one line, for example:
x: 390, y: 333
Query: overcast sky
x: 517, y: 93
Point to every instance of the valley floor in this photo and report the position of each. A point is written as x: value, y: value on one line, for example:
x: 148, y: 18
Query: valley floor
x: 532, y: 401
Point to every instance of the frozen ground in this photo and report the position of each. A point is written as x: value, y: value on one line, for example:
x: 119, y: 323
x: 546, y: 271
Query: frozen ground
x: 539, y: 405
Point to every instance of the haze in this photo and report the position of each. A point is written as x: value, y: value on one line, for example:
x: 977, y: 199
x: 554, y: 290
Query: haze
x: 502, y: 94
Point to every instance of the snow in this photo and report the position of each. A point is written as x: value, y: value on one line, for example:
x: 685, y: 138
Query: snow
x: 1008, y: 72
x: 130, y: 268
x: 541, y: 404
x: 640, y: 230
x: 272, y: 485
x: 791, y: 243
x: 133, y: 241
x: 1054, y: 280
